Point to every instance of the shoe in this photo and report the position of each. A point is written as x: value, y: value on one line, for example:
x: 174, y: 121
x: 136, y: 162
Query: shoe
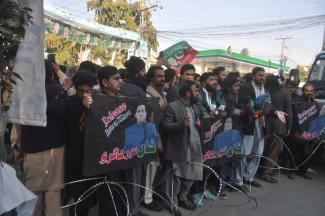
x: 197, y: 200
x: 223, y: 196
x: 213, y: 191
x: 187, y: 204
x: 269, y: 179
x: 177, y: 212
x: 304, y: 175
x: 153, y: 206
x: 209, y: 196
x: 290, y: 176
x: 253, y: 183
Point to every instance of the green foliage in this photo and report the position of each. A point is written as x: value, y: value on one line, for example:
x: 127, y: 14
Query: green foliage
x: 303, y: 72
x: 121, y: 14
x: 12, y: 21
x: 67, y: 52
x: 13, y: 18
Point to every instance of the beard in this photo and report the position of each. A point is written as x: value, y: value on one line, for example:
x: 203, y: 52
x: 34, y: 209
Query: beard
x: 141, y: 82
x: 193, y: 99
x: 210, y: 88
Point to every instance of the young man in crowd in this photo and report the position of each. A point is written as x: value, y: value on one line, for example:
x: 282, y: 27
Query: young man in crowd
x: 73, y: 109
x: 302, y: 148
x: 134, y: 85
x: 253, y: 136
x: 197, y: 80
x: 170, y: 81
x: 207, y: 94
x: 183, y: 147
x: 287, y: 160
x: 220, y: 74
x: 275, y: 129
x: 187, y: 74
x: 44, y: 153
x: 156, y: 80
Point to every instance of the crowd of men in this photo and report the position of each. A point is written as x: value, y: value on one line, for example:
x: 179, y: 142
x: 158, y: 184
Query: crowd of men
x: 54, y: 154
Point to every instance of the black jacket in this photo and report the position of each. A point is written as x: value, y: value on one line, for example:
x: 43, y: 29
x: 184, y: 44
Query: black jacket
x: 131, y: 89
x: 281, y: 101
x: 246, y: 94
x: 54, y: 135
x: 73, y: 111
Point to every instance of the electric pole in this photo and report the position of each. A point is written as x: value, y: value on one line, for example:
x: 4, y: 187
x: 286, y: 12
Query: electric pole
x: 143, y: 8
x: 323, y: 47
x: 283, y: 59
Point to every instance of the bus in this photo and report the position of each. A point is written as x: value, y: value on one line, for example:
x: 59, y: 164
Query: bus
x: 316, y: 76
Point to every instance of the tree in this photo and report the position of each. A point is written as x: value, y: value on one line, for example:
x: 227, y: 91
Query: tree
x: 244, y: 52
x: 66, y: 52
x: 121, y: 14
x: 12, y: 21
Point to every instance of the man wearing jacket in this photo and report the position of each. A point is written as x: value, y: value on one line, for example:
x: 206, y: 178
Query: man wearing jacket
x: 253, y: 132
x: 183, y: 147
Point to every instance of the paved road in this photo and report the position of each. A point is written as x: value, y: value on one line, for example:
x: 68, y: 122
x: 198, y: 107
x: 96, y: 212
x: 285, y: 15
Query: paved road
x: 298, y: 197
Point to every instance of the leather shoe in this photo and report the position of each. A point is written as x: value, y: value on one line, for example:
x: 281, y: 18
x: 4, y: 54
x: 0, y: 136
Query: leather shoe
x: 153, y: 206
x: 187, y: 204
x: 253, y: 183
x: 268, y: 178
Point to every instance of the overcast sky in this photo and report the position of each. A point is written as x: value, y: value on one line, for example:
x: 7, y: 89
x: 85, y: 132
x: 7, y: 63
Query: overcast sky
x: 185, y: 14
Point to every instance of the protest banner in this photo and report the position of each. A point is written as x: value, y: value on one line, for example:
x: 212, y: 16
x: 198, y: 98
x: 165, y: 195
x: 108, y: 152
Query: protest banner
x: 119, y: 134
x: 222, y: 141
x: 179, y: 54
x: 309, y: 120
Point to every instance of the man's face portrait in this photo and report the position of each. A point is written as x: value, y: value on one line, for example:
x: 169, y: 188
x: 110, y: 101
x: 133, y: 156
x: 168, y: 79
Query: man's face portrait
x: 228, y: 124
x: 141, y: 114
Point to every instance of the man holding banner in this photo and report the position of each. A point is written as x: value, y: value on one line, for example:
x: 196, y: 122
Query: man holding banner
x: 183, y: 147
x: 304, y: 134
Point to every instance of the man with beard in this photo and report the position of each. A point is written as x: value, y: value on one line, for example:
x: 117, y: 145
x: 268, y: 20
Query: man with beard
x: 302, y: 149
x: 207, y: 95
x: 253, y: 135
x: 134, y: 86
x: 183, y: 147
x: 134, y: 83
x: 220, y: 74
x: 187, y: 74
x: 156, y: 80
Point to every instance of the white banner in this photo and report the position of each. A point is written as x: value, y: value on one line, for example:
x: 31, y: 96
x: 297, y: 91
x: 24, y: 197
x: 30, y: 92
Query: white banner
x: 28, y: 98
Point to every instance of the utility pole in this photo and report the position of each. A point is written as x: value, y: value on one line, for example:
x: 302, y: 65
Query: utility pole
x: 323, y: 47
x: 283, y: 59
x: 143, y: 8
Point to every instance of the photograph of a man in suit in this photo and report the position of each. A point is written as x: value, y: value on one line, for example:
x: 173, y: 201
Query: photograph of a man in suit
x: 141, y: 133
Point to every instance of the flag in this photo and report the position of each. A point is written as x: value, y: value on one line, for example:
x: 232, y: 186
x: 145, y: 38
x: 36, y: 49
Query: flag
x: 179, y: 54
